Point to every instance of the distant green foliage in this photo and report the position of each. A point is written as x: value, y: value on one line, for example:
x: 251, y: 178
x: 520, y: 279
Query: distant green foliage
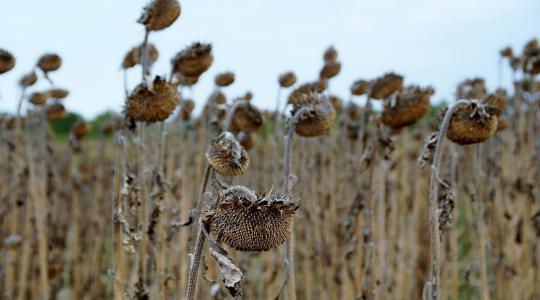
x: 99, y: 120
x: 62, y: 128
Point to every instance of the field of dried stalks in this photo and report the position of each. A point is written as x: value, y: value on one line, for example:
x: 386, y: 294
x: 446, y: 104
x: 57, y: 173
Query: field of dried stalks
x: 322, y: 198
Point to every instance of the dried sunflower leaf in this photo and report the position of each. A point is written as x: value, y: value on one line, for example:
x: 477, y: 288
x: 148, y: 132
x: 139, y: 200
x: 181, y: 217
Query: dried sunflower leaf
x: 230, y: 274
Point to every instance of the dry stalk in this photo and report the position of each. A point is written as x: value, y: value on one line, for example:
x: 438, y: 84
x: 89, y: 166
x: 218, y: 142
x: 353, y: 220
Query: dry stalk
x: 433, y: 286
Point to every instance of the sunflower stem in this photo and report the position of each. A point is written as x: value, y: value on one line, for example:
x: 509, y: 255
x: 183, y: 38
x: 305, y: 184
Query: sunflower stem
x: 434, y: 233
x: 289, y: 246
x: 199, y: 245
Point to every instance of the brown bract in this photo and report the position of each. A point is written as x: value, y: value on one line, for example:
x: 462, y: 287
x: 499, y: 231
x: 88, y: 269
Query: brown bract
x: 360, y: 87
x: 330, y: 70
x: 49, y: 62
x: 246, y: 118
x: 473, y: 123
x: 406, y: 108
x: 145, y: 105
x: 287, y: 79
x: 386, y: 85
x: 249, y: 222
x: 224, y: 79
x: 28, y: 79
x: 226, y: 156
x: 7, y: 61
x: 297, y: 95
x: 194, y: 60
x: 160, y: 14
x: 133, y: 57
x: 317, y: 118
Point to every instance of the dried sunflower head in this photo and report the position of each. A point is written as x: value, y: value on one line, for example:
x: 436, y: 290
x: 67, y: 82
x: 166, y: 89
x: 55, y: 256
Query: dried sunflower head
x: 28, y: 79
x: 330, y: 54
x: 9, y: 122
x: 386, y: 85
x: 246, y: 139
x: 406, y: 108
x: 194, y: 60
x: 472, y: 123
x: 49, y: 62
x: 187, y: 107
x: 516, y: 62
x: 185, y: 80
x: 501, y: 124
x: 7, y: 61
x: 317, y: 117
x: 287, y: 79
x: 80, y: 129
x: 471, y: 89
x: 145, y: 105
x: 224, y: 79
x: 360, y: 87
x: 110, y: 126
x: 248, y: 96
x: 246, y: 221
x: 330, y: 70
x: 530, y: 47
x: 217, y: 97
x: 133, y: 57
x: 226, y: 156
x: 298, y: 94
x: 337, y: 103
x: 506, y: 52
x: 55, y: 111
x: 160, y: 14
x: 354, y: 111
x: 532, y: 64
x: 38, y: 98
x: 246, y: 118
x: 57, y: 93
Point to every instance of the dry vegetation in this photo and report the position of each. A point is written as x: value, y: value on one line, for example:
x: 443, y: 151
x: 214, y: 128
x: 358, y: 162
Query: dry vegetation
x: 330, y: 200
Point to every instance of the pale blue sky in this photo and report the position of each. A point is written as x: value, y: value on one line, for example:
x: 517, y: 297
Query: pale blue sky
x: 437, y: 42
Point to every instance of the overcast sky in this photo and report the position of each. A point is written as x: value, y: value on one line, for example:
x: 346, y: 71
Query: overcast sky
x: 436, y: 42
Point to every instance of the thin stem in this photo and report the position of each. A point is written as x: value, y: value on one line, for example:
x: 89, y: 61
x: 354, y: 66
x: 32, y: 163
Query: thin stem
x: 126, y: 89
x: 277, y: 119
x: 117, y: 230
x: 434, y: 234
x: 199, y: 245
x: 364, y: 123
x: 482, y: 234
x: 144, y: 56
x: 289, y: 258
